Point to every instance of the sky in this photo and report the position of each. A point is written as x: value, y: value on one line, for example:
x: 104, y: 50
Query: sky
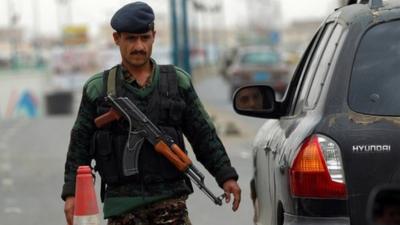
x: 95, y: 12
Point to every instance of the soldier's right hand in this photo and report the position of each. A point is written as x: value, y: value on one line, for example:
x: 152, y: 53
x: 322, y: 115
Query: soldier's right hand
x: 69, y: 209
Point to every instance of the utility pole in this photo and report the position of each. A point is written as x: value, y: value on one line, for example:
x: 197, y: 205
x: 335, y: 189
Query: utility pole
x: 180, y: 34
x: 185, y: 30
x: 35, y: 38
x: 13, y: 20
x: 175, y: 37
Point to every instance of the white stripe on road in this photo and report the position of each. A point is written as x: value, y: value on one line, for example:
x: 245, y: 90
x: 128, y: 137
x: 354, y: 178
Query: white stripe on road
x: 15, y: 210
x: 5, y: 167
x: 7, y: 182
x: 245, y: 155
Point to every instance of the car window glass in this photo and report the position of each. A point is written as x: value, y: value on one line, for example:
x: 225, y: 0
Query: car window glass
x: 294, y: 86
x: 375, y: 76
x: 312, y: 66
x: 323, y: 67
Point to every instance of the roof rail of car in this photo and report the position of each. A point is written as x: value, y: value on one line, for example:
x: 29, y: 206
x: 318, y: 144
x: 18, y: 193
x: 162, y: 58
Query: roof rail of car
x: 373, y: 4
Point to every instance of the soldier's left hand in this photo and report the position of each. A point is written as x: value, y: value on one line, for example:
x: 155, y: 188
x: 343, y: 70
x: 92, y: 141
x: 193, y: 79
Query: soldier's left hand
x: 232, y: 187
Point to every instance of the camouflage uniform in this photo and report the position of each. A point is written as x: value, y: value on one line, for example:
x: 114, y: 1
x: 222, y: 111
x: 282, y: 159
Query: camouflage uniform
x: 168, y: 212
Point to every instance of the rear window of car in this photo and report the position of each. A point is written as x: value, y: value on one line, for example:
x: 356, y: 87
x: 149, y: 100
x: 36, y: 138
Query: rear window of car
x: 260, y: 58
x: 375, y: 79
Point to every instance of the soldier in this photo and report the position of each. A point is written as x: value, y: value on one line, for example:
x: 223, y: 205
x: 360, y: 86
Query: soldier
x: 157, y: 195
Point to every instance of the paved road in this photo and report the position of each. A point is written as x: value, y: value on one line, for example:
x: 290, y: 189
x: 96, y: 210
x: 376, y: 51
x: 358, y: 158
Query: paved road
x: 213, y: 91
x: 31, y: 163
x: 32, y: 154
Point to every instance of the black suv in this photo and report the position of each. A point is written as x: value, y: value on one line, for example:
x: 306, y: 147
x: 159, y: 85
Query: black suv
x: 336, y: 133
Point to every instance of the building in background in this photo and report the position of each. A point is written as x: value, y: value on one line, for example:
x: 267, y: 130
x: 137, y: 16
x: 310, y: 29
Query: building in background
x: 296, y: 36
x: 82, y: 42
x: 264, y: 21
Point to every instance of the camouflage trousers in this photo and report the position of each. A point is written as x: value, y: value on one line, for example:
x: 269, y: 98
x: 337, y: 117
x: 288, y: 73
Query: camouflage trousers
x: 167, y: 212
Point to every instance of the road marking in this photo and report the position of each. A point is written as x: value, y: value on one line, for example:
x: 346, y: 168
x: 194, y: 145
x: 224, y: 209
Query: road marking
x: 245, y: 155
x: 5, y: 167
x: 15, y: 210
x: 7, y: 182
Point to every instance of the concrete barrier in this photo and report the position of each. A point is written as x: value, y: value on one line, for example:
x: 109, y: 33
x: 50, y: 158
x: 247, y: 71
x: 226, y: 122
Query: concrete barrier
x: 21, y: 94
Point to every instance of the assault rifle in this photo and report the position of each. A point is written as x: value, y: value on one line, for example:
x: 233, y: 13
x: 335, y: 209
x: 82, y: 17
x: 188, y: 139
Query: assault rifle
x: 140, y: 128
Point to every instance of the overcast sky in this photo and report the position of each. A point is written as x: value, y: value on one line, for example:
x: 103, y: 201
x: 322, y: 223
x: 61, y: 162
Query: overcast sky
x: 96, y: 12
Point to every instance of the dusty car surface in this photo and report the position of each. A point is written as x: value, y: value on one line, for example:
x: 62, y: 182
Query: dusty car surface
x: 335, y: 134
x: 258, y: 65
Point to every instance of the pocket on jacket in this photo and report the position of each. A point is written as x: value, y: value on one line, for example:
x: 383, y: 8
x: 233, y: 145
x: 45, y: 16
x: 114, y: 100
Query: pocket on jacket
x: 105, y: 157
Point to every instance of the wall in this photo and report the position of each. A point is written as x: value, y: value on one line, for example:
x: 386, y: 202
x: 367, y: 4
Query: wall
x: 22, y: 94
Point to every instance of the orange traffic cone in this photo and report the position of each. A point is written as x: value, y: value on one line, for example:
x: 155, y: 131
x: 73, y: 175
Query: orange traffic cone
x: 86, y: 211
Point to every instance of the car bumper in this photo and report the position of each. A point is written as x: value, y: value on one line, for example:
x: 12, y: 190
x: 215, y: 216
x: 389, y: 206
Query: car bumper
x: 302, y: 220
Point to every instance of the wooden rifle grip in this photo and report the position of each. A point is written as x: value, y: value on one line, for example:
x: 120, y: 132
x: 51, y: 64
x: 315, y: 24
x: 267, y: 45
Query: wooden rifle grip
x: 106, y: 118
x: 163, y: 149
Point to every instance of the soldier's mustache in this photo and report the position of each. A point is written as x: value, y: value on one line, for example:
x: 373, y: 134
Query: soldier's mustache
x: 138, y: 53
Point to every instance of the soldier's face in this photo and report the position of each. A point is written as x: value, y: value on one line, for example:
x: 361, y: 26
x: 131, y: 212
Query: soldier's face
x: 135, y: 48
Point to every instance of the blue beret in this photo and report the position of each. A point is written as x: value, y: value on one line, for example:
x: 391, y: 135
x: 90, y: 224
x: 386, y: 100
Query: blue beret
x: 136, y: 17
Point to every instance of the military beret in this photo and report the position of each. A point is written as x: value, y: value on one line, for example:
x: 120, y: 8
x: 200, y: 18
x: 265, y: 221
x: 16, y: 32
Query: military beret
x: 136, y: 17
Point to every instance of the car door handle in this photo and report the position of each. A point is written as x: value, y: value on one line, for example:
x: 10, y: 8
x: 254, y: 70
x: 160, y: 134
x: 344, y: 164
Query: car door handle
x: 283, y: 164
x: 268, y: 149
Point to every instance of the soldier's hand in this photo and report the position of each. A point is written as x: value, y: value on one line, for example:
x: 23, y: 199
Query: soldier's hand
x: 69, y: 209
x: 232, y: 187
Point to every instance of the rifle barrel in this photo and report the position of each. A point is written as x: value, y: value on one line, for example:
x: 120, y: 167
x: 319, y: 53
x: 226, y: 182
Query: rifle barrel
x: 200, y: 184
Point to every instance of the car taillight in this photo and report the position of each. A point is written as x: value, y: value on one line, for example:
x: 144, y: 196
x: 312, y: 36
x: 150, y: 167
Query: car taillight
x: 317, y: 170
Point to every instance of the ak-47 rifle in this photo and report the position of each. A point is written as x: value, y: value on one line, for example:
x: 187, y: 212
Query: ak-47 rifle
x: 140, y: 128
